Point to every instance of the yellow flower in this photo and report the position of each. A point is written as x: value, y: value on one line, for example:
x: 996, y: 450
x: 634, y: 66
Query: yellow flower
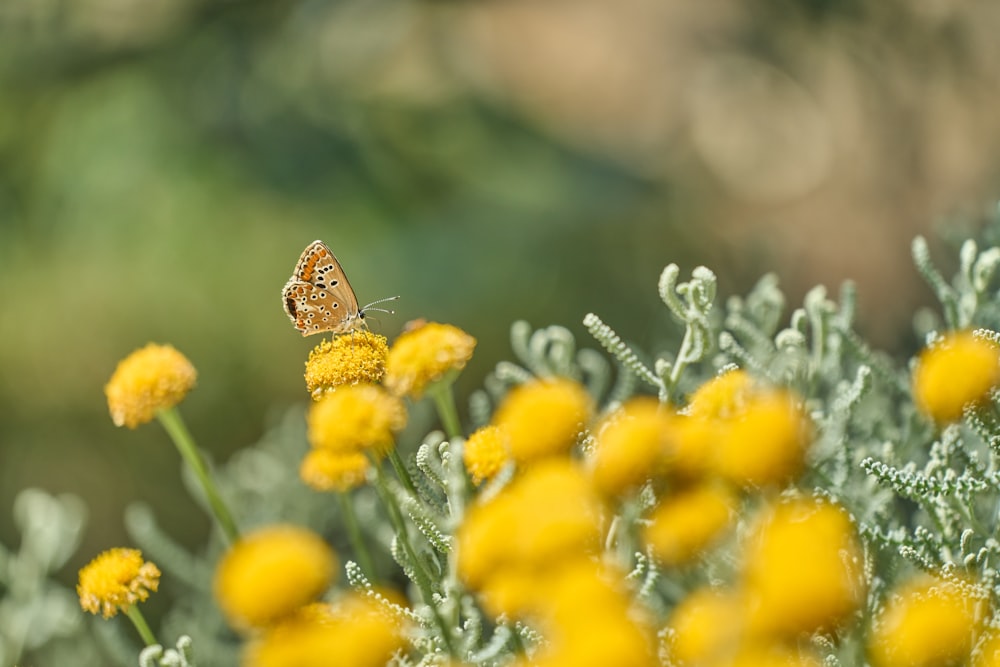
x: 328, y: 470
x: 543, y: 418
x: 542, y: 517
x: 929, y: 622
x: 704, y: 627
x: 803, y: 569
x: 485, y: 453
x: 586, y: 613
x: 722, y: 396
x: 957, y: 371
x: 356, y: 418
x: 355, y: 359
x: 425, y: 354
x: 630, y: 446
x: 150, y: 379
x: 689, y: 521
x: 354, y: 632
x: 774, y: 655
x: 270, y: 573
x: 115, y: 580
x: 766, y: 442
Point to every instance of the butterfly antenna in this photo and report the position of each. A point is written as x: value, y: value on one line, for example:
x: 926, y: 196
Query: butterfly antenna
x: 380, y: 310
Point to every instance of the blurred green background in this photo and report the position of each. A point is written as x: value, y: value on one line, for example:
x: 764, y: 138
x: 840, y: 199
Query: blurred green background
x: 164, y: 162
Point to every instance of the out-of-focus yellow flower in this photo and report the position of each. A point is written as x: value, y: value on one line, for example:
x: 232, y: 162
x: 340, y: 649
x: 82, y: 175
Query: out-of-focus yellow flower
x: 543, y: 418
x: 355, y: 359
x: 354, y: 632
x: 543, y: 516
x: 691, y: 447
x: 115, y: 580
x: 584, y: 610
x: 630, y: 446
x: 705, y: 627
x: 150, y: 379
x: 687, y: 522
x: 803, y: 569
x: 356, y: 418
x: 425, y: 354
x: 485, y: 453
x: 270, y: 573
x: 721, y: 397
x: 954, y: 372
x: 766, y: 442
x: 927, y: 623
x: 327, y: 470
x: 774, y: 655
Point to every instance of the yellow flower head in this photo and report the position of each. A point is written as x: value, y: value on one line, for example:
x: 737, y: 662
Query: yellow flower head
x: 150, y: 379
x: 355, y: 359
x: 957, y: 371
x: 356, y: 418
x: 536, y: 522
x: 425, y: 354
x: 115, y: 580
x: 689, y: 521
x: 585, y: 611
x: 630, y: 446
x: 988, y: 652
x: 722, y: 396
x: 928, y: 622
x: 328, y: 470
x: 543, y: 418
x: 485, y: 453
x: 705, y: 627
x: 803, y: 569
x: 766, y: 442
x: 270, y: 573
x: 354, y: 632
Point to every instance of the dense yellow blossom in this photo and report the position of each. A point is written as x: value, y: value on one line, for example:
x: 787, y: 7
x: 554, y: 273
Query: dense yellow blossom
x: 115, y: 580
x: 541, y: 517
x: 705, y: 627
x: 954, y: 372
x: 328, y: 470
x: 485, y: 453
x: 688, y: 521
x: 926, y: 623
x: 543, y: 418
x: 355, y: 632
x: 630, y: 446
x: 356, y: 418
x: 721, y: 397
x: 270, y: 573
x: 150, y: 379
x: 765, y: 442
x: 803, y: 569
x: 424, y: 354
x: 355, y: 359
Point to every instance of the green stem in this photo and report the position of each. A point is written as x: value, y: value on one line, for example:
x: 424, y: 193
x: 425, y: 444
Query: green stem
x: 420, y: 575
x: 139, y: 621
x: 355, y: 537
x: 174, y: 425
x: 401, y: 472
x: 444, y: 401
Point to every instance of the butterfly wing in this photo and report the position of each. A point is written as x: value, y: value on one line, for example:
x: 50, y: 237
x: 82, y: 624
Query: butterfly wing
x: 318, y: 297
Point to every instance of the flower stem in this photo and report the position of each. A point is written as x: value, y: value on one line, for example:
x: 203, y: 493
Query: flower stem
x: 355, y: 537
x: 174, y: 425
x: 139, y: 621
x: 401, y: 472
x: 420, y: 575
x: 444, y: 401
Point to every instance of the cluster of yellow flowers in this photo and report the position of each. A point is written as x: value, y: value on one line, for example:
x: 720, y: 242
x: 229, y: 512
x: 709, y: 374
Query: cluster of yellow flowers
x: 540, y: 551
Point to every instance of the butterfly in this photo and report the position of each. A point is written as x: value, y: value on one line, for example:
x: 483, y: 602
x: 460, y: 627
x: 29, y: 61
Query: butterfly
x: 319, y: 298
